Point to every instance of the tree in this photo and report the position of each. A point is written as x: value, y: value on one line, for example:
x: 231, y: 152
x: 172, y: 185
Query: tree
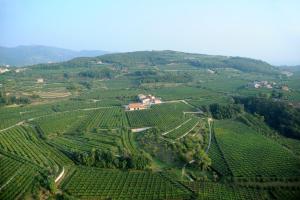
x: 202, y: 160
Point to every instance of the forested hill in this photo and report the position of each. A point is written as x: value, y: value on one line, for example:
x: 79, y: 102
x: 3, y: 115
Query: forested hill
x: 197, y: 60
x: 30, y: 55
x: 157, y: 58
x: 167, y: 57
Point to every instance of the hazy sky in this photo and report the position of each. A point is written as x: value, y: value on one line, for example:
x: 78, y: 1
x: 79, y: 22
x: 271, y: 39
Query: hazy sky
x: 263, y: 29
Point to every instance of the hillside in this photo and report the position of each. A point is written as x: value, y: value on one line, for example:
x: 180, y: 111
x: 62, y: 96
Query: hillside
x: 29, y: 55
x: 159, y: 59
x: 201, y: 130
x: 196, y: 60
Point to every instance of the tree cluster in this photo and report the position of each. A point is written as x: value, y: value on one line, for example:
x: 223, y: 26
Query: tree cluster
x: 105, y: 73
x: 279, y: 115
x: 225, y: 111
x: 105, y: 159
x: 8, y: 100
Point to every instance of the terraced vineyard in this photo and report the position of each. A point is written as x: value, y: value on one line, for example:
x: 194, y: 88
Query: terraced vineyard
x: 105, y: 118
x: 23, y: 142
x: 183, y: 129
x: 164, y: 116
x: 16, y: 178
x: 60, y: 122
x: 250, y: 154
x: 92, y: 183
x: 88, y: 141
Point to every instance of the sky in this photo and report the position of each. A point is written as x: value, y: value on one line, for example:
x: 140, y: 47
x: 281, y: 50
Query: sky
x: 263, y: 29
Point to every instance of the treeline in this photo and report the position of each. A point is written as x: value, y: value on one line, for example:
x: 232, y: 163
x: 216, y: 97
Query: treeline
x: 105, y: 159
x: 150, y: 76
x: 242, y: 64
x: 279, y: 115
x: 8, y: 100
x: 227, y: 111
x: 99, y: 74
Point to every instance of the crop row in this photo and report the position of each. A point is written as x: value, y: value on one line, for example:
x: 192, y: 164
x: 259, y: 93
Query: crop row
x: 101, y: 183
x: 22, y: 141
x: 108, y: 118
x: 164, y: 117
x: 16, y: 178
x: 210, y: 190
x: 183, y: 129
x: 250, y: 154
x: 87, y: 141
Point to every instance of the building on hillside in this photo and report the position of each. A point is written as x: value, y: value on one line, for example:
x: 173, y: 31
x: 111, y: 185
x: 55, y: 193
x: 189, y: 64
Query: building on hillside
x: 40, y: 80
x: 145, y: 101
x: 148, y: 99
x: 285, y: 88
x: 261, y: 84
x: 136, y: 106
x: 3, y: 70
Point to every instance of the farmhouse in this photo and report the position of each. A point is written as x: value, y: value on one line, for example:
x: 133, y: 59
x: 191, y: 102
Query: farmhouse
x: 136, y: 106
x: 40, y: 80
x: 148, y: 99
x: 3, y: 70
x: 145, y: 101
x: 285, y: 88
x: 261, y: 84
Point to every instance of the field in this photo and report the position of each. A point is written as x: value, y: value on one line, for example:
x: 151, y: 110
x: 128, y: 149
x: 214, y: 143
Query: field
x: 250, y: 154
x: 88, y: 183
x: 211, y: 190
x: 23, y: 142
x: 159, y: 116
x: 16, y: 178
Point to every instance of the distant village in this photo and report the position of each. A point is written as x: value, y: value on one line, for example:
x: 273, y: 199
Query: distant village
x: 144, y: 102
x: 268, y: 85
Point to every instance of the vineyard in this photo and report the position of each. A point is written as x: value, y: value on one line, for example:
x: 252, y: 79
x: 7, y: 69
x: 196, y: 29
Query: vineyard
x: 16, y: 178
x: 218, y: 161
x: 128, y: 141
x: 23, y: 142
x: 86, y: 142
x: 164, y: 117
x: 59, y: 123
x: 183, y: 129
x: 92, y: 183
x: 211, y: 190
x: 250, y: 154
x: 72, y: 138
x: 105, y: 118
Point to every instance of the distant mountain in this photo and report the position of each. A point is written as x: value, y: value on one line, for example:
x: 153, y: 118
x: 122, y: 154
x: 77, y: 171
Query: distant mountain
x: 30, y: 55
